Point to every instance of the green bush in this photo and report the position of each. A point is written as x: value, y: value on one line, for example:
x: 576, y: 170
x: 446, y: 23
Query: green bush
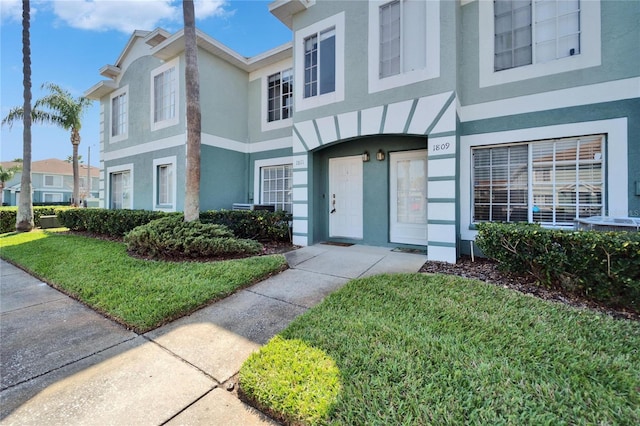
x: 107, y: 222
x: 171, y: 237
x: 291, y: 380
x: 603, y: 266
x: 257, y: 225
x: 8, y: 216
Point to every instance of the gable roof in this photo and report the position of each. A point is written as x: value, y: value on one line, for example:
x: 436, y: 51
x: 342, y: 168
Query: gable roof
x: 55, y: 166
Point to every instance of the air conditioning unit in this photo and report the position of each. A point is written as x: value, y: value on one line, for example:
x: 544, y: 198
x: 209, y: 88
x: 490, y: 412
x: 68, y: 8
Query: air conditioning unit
x: 606, y: 223
x: 245, y: 206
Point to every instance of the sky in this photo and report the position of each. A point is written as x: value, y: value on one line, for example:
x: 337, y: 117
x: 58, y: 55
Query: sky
x: 72, y: 39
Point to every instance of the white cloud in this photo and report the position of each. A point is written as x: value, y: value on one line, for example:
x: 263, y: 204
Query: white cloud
x: 11, y: 10
x: 130, y: 15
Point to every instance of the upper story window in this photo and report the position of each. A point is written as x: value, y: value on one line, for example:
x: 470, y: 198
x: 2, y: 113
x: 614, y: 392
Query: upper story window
x: 551, y: 182
x: 321, y: 70
x: 404, y: 42
x: 52, y: 181
x: 524, y: 39
x: 164, y: 93
x: 320, y: 63
x: 402, y: 37
x: 119, y: 115
x: 280, y: 95
x: 537, y: 31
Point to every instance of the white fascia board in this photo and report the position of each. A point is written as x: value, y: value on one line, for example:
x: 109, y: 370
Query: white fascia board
x: 174, y: 45
x: 100, y: 89
x: 110, y: 71
x: 285, y: 9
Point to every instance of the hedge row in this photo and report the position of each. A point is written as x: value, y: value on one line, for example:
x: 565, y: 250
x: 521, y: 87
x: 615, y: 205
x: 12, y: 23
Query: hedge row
x: 8, y: 216
x: 106, y: 222
x: 257, y: 225
x: 602, y: 266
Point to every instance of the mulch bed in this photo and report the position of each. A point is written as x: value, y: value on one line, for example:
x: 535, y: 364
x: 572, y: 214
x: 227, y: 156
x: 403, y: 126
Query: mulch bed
x: 486, y: 270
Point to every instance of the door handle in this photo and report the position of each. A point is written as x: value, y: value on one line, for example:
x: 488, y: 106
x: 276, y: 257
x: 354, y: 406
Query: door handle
x: 333, y: 204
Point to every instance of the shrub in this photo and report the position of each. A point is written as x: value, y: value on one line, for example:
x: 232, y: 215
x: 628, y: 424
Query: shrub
x: 171, y: 237
x: 257, y: 225
x: 107, y: 222
x: 295, y: 382
x: 603, y: 266
x: 8, y: 216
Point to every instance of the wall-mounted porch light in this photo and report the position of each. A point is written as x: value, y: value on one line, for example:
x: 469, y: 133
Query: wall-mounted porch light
x: 365, y: 156
x: 380, y: 155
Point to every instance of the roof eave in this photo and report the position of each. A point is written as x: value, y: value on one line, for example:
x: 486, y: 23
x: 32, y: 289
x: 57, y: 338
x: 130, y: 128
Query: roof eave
x: 100, y: 89
x: 285, y: 9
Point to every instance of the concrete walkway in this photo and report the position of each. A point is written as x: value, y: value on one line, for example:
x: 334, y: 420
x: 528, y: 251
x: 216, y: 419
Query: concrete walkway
x: 63, y: 364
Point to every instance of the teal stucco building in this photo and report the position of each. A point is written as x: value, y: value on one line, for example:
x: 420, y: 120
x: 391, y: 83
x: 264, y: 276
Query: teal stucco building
x: 391, y: 123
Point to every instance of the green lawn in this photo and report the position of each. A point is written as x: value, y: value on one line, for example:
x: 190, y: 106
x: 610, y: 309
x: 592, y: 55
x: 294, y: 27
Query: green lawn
x: 420, y: 349
x: 141, y: 294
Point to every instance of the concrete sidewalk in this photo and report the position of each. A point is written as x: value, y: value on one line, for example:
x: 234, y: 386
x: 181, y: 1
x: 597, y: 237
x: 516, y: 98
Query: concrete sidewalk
x: 62, y: 363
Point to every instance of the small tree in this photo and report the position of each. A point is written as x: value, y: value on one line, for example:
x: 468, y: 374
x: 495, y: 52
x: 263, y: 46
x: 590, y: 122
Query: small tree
x: 59, y: 107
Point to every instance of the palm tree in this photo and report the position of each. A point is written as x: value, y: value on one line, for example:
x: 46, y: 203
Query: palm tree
x: 5, y: 176
x: 192, y: 78
x: 24, y: 217
x: 59, y: 107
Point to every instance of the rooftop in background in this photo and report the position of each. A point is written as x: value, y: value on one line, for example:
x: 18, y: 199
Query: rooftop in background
x: 54, y: 166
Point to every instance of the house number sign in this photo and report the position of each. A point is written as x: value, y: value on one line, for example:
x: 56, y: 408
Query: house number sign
x: 442, y: 146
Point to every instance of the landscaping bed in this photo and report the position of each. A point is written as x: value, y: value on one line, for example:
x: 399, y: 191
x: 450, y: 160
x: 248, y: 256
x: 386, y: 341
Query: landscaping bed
x: 487, y: 270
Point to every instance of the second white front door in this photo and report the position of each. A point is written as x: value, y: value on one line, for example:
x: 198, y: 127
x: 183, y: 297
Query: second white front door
x: 408, y: 197
x: 345, y: 197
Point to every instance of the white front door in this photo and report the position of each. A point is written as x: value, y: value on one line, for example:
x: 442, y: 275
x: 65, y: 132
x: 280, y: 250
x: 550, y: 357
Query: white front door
x: 345, y: 197
x: 408, y: 197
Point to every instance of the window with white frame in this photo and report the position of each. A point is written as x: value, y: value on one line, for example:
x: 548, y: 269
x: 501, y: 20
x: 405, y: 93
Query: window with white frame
x: 164, y: 178
x: 404, y: 43
x: 280, y: 95
x: 320, y: 72
x: 165, y: 183
x: 52, y: 198
x: 552, y: 182
x: 120, y: 186
x: 402, y: 37
x: 276, y: 183
x: 52, y: 181
x: 535, y: 31
x: 320, y: 63
x: 164, y: 92
x: 119, y: 115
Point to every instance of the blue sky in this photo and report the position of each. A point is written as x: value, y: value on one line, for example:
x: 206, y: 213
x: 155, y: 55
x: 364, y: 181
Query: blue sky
x: 72, y: 39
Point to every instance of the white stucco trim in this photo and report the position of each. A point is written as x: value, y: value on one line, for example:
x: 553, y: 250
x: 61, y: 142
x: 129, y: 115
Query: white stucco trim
x: 174, y: 63
x: 145, y: 148
x: 615, y: 164
x: 301, y: 103
x: 270, y: 145
x: 125, y: 135
x: 172, y: 161
x: 589, y: 56
x: 257, y: 175
x: 575, y: 96
x: 432, y: 46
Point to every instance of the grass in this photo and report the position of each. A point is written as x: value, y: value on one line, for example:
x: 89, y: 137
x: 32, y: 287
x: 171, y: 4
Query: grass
x: 138, y: 293
x: 421, y: 349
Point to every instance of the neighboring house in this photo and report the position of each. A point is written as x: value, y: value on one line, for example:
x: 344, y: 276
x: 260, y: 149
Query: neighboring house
x: 391, y: 123
x: 52, y: 182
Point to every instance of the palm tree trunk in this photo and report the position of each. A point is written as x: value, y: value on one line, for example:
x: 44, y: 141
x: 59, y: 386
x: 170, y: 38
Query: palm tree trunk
x: 24, y: 218
x: 75, y: 141
x: 192, y: 78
